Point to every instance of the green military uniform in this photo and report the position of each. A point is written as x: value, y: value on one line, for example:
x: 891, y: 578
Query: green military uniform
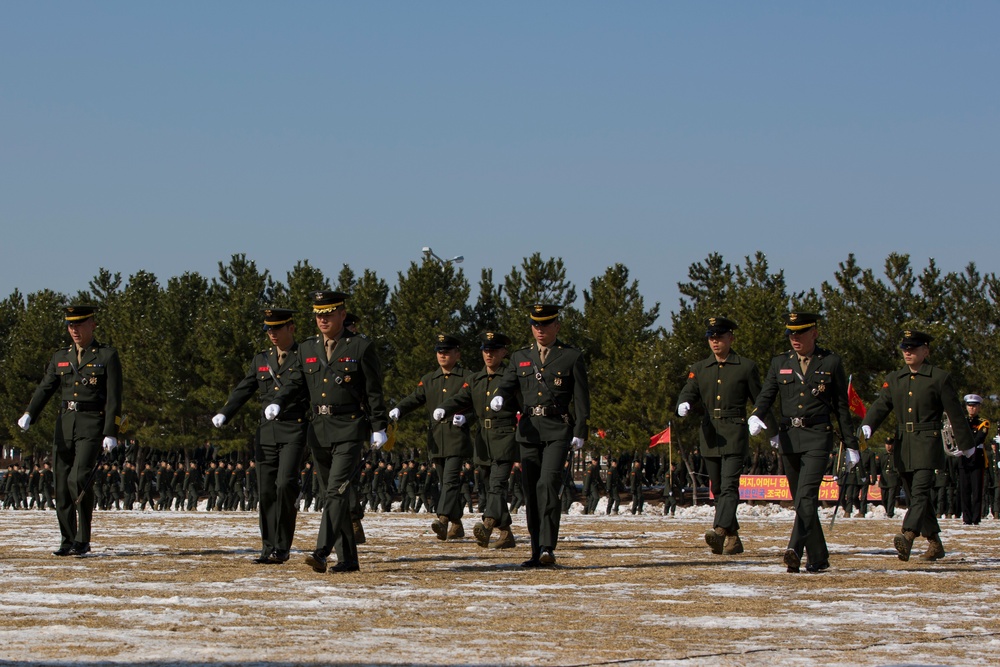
x: 495, y: 447
x: 722, y: 389
x: 345, y: 392
x: 888, y: 482
x: 614, y: 486
x: 920, y: 400
x: 448, y: 445
x: 810, y: 401
x: 90, y: 389
x: 555, y: 396
x: 280, y: 443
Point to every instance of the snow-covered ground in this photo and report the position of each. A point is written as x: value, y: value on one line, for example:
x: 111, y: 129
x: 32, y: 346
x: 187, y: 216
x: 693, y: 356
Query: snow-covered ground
x: 180, y: 588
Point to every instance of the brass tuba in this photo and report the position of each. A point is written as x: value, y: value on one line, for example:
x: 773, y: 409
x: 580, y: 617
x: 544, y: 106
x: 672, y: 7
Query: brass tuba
x: 948, y: 437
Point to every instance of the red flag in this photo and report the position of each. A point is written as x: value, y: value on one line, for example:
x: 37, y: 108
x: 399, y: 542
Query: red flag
x: 660, y: 438
x: 854, y: 401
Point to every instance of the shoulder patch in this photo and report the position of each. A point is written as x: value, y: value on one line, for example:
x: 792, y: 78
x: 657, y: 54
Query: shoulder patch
x: 885, y: 385
x: 690, y: 374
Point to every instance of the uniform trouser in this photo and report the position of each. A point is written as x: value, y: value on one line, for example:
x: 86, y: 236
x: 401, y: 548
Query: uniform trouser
x: 72, y: 462
x: 920, y: 517
x: 336, y: 463
x: 467, y: 498
x: 669, y: 504
x: 496, y: 493
x: 278, y: 467
x: 724, y: 476
x: 804, y: 471
x: 47, y: 500
x: 614, y: 501
x: 517, y: 496
x: 593, y: 499
x: 542, y: 470
x: 483, y: 489
x: 129, y: 500
x: 851, y: 492
x: 147, y: 497
x: 970, y: 487
x: 863, y: 504
x: 638, y: 501
x: 889, y: 496
x: 449, y: 470
x: 192, y: 499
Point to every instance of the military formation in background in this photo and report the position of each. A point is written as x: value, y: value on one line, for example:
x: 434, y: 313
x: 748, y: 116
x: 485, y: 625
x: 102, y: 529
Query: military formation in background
x: 509, y: 437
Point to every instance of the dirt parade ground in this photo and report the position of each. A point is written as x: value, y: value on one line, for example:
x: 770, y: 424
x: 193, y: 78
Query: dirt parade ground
x: 178, y: 588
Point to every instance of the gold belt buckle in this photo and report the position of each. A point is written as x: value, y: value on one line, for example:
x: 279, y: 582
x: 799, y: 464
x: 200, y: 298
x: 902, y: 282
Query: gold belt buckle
x: 909, y: 427
x: 487, y: 423
x: 717, y: 413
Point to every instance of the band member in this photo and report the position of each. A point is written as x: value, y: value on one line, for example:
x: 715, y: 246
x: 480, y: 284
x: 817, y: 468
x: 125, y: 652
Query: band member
x: 920, y: 395
x: 88, y: 377
x: 972, y: 465
x: 812, y: 385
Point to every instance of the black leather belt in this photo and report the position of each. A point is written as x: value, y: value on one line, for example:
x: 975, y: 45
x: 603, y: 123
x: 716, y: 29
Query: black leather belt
x: 82, y: 406
x: 802, y: 422
x: 291, y: 416
x: 719, y: 413
x: 336, y: 409
x: 499, y: 422
x: 911, y: 427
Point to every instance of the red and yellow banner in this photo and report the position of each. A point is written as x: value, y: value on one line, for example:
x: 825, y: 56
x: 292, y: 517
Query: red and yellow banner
x: 775, y: 488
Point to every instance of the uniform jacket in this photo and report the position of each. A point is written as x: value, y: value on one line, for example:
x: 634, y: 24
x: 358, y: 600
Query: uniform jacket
x: 443, y: 437
x: 722, y: 390
x: 291, y: 423
x: 496, y: 433
x: 351, y: 383
x: 817, y: 397
x: 95, y: 381
x: 920, y: 400
x: 563, y: 389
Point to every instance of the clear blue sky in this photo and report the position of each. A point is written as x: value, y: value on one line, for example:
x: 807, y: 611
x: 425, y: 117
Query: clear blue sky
x: 168, y: 136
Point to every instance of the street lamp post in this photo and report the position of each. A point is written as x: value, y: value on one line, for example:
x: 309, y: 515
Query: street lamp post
x: 429, y: 254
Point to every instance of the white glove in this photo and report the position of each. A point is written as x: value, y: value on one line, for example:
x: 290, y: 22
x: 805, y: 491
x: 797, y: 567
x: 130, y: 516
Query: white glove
x: 394, y: 414
x: 218, y: 420
x: 775, y: 442
x: 683, y: 409
x: 109, y: 444
x: 458, y: 420
x: 756, y: 424
x: 577, y: 444
x: 379, y: 438
x: 996, y: 438
x: 969, y: 452
x: 866, y: 431
x: 496, y: 404
x: 438, y: 414
x: 271, y: 411
x: 25, y: 421
x: 852, y: 458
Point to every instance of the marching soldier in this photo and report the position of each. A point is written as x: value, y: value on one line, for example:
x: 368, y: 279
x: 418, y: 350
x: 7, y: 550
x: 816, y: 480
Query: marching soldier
x: 614, y: 484
x: 635, y: 488
x: 448, y: 442
x: 722, y: 384
x: 496, y: 443
x: 343, y: 377
x: 920, y: 395
x: 48, y: 487
x: 130, y: 485
x: 147, y: 486
x: 88, y: 377
x: 552, y: 380
x: 888, y: 480
x: 592, y: 486
x: 812, y: 385
x: 972, y: 464
x: 280, y: 443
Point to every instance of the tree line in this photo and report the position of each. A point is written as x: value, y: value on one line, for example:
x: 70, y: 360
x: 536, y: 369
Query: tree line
x: 185, y: 343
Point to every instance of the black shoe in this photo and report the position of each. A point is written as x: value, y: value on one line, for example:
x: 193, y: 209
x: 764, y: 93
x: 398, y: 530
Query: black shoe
x: 531, y: 562
x: 264, y: 558
x: 80, y: 548
x: 279, y: 557
x: 62, y: 551
x: 818, y: 567
x: 547, y: 558
x: 792, y: 561
x: 345, y: 567
x: 317, y: 561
